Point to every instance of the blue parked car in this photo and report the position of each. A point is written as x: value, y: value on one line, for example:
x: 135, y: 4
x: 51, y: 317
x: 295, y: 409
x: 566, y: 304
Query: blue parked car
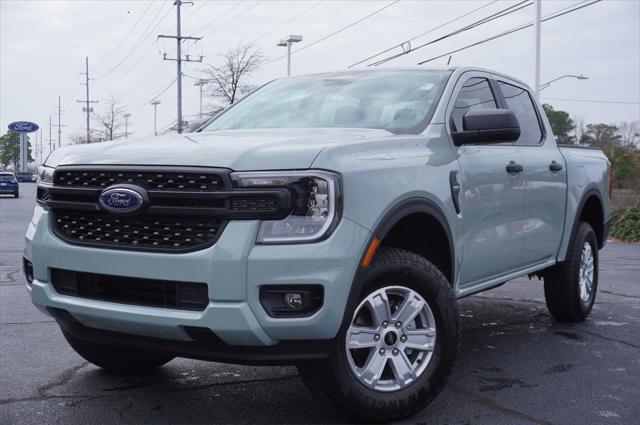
x: 9, y: 184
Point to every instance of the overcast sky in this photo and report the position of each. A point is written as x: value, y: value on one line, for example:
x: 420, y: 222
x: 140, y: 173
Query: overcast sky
x: 43, y: 45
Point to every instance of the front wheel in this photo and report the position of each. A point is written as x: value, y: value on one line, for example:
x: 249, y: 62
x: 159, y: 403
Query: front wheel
x: 16, y: 194
x: 400, y: 346
x: 570, y: 287
x: 116, y: 359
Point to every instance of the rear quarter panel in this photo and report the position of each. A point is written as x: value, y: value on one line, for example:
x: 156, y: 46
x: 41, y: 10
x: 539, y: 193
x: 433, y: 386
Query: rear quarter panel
x: 586, y: 173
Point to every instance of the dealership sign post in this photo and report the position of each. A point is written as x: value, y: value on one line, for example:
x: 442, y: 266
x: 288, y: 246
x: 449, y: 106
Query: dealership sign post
x: 23, y: 127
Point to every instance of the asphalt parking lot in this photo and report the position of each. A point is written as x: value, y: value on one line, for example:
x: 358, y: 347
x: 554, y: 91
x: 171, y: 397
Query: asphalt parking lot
x: 516, y: 365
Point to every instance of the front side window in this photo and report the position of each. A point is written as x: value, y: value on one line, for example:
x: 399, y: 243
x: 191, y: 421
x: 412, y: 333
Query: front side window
x: 397, y: 101
x: 520, y: 103
x: 475, y: 94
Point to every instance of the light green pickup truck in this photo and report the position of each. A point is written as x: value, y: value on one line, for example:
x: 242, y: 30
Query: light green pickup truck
x: 328, y: 221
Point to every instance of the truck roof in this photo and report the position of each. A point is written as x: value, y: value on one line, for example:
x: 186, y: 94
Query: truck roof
x: 455, y: 69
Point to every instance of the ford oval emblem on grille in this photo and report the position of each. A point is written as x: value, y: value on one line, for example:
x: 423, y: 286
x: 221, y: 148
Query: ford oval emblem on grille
x: 121, y: 200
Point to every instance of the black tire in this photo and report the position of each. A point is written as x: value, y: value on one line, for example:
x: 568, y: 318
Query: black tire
x: 16, y: 194
x: 333, y: 379
x: 562, y: 282
x: 116, y: 359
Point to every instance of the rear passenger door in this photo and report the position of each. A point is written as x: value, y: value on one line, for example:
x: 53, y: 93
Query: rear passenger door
x: 545, y: 194
x: 491, y: 199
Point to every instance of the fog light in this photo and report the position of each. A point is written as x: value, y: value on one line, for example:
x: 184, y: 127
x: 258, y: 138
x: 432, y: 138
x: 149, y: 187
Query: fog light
x: 27, y: 269
x: 291, y: 300
x: 294, y: 300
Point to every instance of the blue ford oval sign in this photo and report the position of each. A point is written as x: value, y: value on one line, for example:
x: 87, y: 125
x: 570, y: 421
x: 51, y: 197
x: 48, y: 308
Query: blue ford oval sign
x: 23, y: 127
x: 121, y: 200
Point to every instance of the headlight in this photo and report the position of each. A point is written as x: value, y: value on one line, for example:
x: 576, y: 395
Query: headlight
x: 46, y: 174
x: 316, y: 198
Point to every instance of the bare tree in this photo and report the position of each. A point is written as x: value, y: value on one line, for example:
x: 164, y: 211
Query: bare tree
x: 110, y: 121
x: 229, y: 79
x: 81, y: 138
x: 630, y: 132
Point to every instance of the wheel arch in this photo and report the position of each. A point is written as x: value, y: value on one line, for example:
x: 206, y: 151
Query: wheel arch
x: 591, y: 210
x: 405, y: 214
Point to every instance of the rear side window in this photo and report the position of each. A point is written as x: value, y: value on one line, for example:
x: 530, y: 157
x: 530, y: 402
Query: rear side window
x: 474, y: 94
x: 520, y: 103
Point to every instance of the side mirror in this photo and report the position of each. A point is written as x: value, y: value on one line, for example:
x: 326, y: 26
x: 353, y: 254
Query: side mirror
x: 487, y: 126
x: 197, y: 123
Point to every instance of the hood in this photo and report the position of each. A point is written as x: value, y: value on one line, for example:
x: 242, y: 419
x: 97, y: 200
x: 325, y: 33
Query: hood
x: 240, y: 150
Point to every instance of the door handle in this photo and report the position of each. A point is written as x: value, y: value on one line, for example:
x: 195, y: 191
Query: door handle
x: 555, y: 167
x: 513, y: 167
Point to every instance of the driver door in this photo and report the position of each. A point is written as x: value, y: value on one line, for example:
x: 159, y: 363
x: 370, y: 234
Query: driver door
x: 491, y: 198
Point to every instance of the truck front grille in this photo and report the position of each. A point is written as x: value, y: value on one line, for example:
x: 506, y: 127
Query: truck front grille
x: 126, y: 290
x: 185, y: 208
x: 169, y: 233
x: 150, y: 180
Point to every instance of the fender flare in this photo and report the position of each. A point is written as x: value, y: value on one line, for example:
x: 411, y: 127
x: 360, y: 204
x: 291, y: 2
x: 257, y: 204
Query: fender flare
x: 399, y: 211
x: 590, y: 191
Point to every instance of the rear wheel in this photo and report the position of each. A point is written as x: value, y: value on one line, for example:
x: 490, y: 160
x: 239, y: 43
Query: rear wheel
x: 116, y: 359
x: 570, y: 287
x: 400, y: 346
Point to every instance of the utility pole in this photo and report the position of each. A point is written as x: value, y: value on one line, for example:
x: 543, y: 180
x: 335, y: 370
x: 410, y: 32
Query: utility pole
x: 536, y: 84
x: 126, y: 125
x: 155, y: 104
x: 201, y: 83
x: 179, y: 37
x: 50, y: 149
x: 87, y: 109
x: 59, y: 125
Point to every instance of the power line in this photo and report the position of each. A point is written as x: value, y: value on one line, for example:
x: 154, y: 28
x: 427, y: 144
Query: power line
x: 125, y: 37
x: 146, y: 77
x: 504, y: 12
x: 621, y: 102
x: 142, y: 38
x: 196, y: 10
x: 156, y: 96
x: 226, y: 12
x: 70, y: 98
x: 234, y: 18
x: 140, y: 58
x: 430, y: 30
x: 308, y: 9
x: 71, y: 89
x: 336, y: 32
x: 511, y: 31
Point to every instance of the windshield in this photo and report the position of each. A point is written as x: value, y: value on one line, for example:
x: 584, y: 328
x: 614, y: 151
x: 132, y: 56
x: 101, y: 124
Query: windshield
x: 6, y: 178
x: 398, y: 101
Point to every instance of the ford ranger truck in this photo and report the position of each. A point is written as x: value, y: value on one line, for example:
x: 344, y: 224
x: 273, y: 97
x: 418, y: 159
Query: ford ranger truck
x: 328, y: 221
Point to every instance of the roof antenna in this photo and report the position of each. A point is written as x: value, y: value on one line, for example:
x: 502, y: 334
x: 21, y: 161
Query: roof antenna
x: 449, y: 61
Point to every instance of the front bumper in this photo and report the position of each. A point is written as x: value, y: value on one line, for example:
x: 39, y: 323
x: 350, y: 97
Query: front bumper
x: 234, y: 269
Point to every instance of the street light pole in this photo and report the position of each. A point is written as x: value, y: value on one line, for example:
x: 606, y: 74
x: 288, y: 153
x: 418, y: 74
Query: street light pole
x: 548, y: 83
x: 287, y: 43
x: 155, y: 104
x: 201, y: 82
x: 538, y: 42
